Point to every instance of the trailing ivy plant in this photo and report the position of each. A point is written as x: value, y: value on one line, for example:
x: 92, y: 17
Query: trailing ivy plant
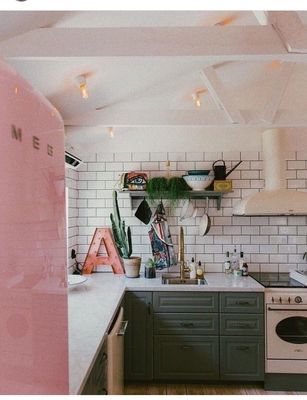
x: 172, y: 189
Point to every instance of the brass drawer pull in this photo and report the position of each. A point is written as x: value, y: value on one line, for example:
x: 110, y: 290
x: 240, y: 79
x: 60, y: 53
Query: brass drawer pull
x: 244, y: 348
x: 242, y: 303
x: 186, y: 347
x: 187, y: 324
x: 242, y: 325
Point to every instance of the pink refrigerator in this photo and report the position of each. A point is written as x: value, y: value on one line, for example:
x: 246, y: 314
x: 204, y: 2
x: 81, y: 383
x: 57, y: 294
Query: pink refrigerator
x: 33, y: 282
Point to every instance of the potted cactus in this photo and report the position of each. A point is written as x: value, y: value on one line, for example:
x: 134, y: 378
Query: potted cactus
x: 122, y: 238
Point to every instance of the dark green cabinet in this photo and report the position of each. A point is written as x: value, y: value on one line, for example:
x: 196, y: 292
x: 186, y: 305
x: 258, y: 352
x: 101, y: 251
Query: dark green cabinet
x: 96, y: 383
x: 194, y: 336
x: 186, y: 357
x: 242, y: 358
x: 139, y: 336
x: 242, y: 337
x: 238, y: 302
x: 186, y: 341
x: 194, y: 302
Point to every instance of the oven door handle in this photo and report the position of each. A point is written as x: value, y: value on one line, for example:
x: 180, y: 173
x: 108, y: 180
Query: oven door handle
x: 286, y: 309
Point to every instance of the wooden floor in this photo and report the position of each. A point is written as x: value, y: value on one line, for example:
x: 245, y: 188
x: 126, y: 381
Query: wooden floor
x: 200, y: 389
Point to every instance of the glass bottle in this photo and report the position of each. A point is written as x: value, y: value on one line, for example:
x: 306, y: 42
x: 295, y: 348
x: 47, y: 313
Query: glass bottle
x: 227, y: 264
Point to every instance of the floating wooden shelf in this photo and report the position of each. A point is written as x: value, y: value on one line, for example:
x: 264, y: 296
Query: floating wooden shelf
x: 193, y: 194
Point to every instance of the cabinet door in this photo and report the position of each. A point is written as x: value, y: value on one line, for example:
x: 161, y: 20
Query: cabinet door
x: 242, y: 358
x: 242, y: 324
x: 186, y: 324
x: 96, y: 383
x: 186, y: 357
x: 185, y: 302
x: 235, y: 302
x: 139, y: 336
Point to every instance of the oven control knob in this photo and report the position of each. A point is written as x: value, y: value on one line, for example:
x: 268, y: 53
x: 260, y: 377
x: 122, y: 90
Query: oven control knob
x: 298, y: 299
x: 273, y: 299
x: 280, y: 300
x: 289, y: 300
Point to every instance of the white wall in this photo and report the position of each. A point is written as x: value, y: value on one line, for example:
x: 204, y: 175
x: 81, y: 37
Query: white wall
x: 71, y: 183
x: 269, y: 243
x: 94, y: 140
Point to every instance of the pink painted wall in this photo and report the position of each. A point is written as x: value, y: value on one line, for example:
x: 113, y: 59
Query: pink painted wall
x: 33, y: 287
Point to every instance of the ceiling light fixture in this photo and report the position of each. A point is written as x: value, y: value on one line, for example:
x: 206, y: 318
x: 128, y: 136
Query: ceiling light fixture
x: 196, y: 96
x: 81, y: 82
x: 196, y: 99
x: 111, y: 132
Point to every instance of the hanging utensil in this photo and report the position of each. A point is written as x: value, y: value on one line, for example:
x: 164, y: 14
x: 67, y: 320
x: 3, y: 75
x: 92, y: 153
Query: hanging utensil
x: 205, y: 222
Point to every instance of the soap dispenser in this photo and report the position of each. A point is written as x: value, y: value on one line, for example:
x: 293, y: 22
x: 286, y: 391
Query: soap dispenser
x: 192, y: 267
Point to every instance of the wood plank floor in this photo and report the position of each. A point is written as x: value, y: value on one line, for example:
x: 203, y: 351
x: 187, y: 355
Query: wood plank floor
x: 200, y: 389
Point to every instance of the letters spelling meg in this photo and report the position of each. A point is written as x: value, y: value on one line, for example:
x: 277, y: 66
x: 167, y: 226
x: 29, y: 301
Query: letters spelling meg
x: 17, y: 134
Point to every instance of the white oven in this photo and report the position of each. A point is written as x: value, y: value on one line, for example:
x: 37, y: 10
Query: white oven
x: 286, y: 331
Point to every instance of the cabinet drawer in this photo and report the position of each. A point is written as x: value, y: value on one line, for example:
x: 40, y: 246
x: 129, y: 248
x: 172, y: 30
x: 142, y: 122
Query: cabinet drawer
x: 242, y: 358
x: 186, y: 324
x: 235, y: 302
x: 185, y: 302
x: 241, y: 324
x: 186, y: 357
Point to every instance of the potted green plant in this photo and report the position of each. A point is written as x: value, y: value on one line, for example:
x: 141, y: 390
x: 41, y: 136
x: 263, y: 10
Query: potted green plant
x: 150, y: 268
x: 173, y: 189
x: 122, y: 237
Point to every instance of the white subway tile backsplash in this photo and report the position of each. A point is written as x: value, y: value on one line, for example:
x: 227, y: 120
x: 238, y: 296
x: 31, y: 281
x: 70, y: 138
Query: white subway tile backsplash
x: 249, y: 155
x: 278, y: 239
x: 122, y: 157
x: 158, y: 156
x: 195, y: 156
x: 115, y: 166
x: 287, y: 230
x: 103, y: 157
x: 87, y: 176
x: 100, y: 166
x: 284, y: 248
x: 150, y: 166
x: 176, y: 156
x: 213, y: 156
x: 231, y: 155
x: 269, y: 243
x: 296, y: 165
x: 250, y: 174
x: 185, y: 165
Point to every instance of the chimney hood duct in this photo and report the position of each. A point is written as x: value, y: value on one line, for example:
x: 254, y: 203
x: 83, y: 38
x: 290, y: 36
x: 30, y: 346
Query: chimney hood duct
x: 275, y: 198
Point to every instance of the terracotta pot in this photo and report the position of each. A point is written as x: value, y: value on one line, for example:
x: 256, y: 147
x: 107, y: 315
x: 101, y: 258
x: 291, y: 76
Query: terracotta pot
x: 132, y: 267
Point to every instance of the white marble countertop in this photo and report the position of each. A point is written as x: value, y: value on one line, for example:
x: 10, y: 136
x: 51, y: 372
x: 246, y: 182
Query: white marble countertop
x: 92, y: 306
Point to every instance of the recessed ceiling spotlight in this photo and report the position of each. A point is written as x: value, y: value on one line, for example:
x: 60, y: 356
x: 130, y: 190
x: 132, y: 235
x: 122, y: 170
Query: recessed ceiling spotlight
x: 81, y: 82
x: 111, y: 132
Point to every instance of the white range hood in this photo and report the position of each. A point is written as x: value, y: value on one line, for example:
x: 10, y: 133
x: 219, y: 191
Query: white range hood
x: 274, y: 199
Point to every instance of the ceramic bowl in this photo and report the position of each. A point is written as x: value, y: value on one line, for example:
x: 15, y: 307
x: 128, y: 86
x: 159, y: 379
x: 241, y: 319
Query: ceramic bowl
x: 198, y: 182
x: 199, y: 172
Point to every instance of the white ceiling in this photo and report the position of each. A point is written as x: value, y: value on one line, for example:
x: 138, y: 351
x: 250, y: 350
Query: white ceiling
x: 145, y: 83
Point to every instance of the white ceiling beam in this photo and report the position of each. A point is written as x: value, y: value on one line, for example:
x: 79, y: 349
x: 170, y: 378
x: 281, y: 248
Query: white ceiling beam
x: 290, y: 29
x: 221, y: 95
x: 189, y: 118
x: 278, y: 89
x: 261, y: 17
x: 223, y: 43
